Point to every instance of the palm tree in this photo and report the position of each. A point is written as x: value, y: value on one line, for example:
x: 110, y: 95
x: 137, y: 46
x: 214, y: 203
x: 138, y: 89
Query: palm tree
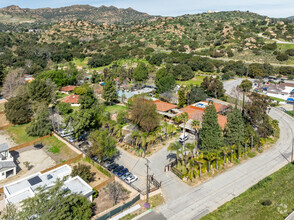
x: 217, y: 156
x: 199, y: 159
x: 209, y: 157
x: 225, y: 150
x: 191, y: 147
x: 165, y: 127
x: 192, y: 172
x: 232, y: 149
x: 196, y: 124
x: 175, y: 147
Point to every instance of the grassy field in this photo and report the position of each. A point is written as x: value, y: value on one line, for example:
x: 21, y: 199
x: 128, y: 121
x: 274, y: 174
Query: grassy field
x: 19, y: 135
x: 197, y: 80
x: 115, y: 108
x: 271, y: 198
x: 59, y: 150
x: 285, y: 46
x: 277, y: 99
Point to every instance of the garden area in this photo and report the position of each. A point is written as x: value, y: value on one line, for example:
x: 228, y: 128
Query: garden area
x: 197, y: 80
x: 58, y: 150
x: 268, y: 199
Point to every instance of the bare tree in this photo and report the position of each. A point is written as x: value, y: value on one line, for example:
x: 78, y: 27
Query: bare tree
x: 13, y: 79
x: 115, y: 191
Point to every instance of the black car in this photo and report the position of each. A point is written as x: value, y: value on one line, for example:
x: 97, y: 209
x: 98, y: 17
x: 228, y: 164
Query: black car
x: 116, y: 170
x: 112, y: 166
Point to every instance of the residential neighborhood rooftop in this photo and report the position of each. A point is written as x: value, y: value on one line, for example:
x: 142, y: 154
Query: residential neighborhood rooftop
x: 68, y: 88
x: 26, y: 187
x: 72, y: 99
x: 4, y: 147
x: 164, y: 106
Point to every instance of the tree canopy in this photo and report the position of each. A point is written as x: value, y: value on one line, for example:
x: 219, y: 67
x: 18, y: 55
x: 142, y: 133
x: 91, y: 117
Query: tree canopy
x: 103, y: 144
x: 18, y: 110
x: 143, y: 113
x: 211, y: 134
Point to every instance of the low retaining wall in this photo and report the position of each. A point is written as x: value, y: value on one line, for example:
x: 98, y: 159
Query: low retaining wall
x: 68, y: 144
x: 116, y: 209
x: 29, y: 143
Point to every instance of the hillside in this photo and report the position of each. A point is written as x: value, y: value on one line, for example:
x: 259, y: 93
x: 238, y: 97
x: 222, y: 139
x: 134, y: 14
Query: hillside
x: 103, y: 14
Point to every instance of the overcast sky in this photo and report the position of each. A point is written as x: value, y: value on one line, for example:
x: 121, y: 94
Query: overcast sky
x: 272, y: 8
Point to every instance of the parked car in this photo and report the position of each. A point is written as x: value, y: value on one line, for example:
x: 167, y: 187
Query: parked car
x: 112, y: 166
x: 119, y: 168
x: 122, y: 172
x: 108, y: 163
x: 126, y: 175
x: 85, y: 143
x: 183, y: 138
x: 131, y: 179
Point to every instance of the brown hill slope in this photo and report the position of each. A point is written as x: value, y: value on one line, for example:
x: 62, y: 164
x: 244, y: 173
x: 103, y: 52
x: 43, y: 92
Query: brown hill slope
x: 103, y: 14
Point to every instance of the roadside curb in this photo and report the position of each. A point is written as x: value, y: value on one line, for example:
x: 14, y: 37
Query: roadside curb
x: 143, y: 214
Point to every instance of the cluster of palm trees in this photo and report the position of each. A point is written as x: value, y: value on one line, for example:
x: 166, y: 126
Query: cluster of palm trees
x: 192, y: 162
x: 142, y: 140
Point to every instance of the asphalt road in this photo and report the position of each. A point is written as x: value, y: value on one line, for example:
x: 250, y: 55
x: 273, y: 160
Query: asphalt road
x: 210, y: 195
x: 193, y: 203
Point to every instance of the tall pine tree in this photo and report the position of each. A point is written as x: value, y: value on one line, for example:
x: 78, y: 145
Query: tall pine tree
x: 211, y: 136
x: 235, y: 128
x: 109, y: 92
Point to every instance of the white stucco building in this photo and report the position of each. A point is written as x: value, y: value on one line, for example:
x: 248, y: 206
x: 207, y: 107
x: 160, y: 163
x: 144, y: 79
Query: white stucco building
x: 25, y: 188
x: 281, y: 91
x: 7, y: 165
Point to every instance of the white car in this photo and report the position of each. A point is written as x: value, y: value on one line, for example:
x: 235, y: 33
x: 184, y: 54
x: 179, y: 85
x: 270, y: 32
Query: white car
x: 183, y: 138
x: 131, y: 179
x: 127, y: 175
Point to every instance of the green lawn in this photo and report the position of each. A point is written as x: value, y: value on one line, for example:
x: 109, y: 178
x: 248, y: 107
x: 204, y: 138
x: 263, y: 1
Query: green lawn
x: 277, y: 189
x: 285, y: 46
x: 60, y: 95
x: 277, y: 99
x: 60, y: 150
x: 115, y: 108
x: 19, y: 135
x: 197, y: 80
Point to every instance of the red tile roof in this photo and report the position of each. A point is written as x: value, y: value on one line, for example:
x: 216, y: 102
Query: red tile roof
x: 163, y: 106
x: 196, y: 113
x: 68, y: 88
x: 72, y: 99
x: 219, y: 107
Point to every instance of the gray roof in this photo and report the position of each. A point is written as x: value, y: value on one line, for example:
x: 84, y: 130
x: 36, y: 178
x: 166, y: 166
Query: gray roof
x: 4, y: 147
x: 6, y: 164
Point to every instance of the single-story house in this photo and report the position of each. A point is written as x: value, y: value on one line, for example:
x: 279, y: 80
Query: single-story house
x: 165, y: 108
x: 196, y: 113
x: 73, y: 100
x: 25, y: 188
x: 67, y: 89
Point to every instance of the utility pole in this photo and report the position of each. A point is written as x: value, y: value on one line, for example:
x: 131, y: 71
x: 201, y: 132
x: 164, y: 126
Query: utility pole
x: 147, y: 205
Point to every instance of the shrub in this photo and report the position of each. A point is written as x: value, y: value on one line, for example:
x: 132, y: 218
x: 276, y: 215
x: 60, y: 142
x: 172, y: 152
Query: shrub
x: 282, y: 57
x: 83, y: 171
x: 266, y: 202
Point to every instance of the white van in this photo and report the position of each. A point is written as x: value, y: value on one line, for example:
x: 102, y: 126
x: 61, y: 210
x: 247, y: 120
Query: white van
x: 183, y: 138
